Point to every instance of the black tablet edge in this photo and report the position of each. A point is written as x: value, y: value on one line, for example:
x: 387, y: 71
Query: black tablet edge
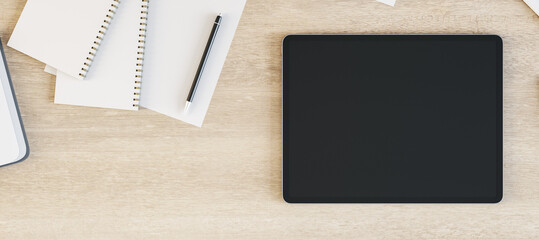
x: 499, y: 118
x: 285, y: 195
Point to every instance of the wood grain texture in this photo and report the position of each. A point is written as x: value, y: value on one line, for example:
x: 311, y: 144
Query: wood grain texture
x: 108, y: 174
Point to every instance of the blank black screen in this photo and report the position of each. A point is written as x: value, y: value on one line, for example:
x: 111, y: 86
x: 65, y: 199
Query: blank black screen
x: 392, y: 118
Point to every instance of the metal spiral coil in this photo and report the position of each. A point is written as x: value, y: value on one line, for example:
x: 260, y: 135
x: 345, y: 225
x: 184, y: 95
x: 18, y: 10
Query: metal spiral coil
x: 93, y: 49
x: 140, y: 52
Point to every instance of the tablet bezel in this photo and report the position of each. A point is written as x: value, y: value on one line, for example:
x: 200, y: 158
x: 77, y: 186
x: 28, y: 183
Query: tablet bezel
x: 499, y: 119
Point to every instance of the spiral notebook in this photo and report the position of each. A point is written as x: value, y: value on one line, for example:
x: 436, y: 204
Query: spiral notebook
x: 64, y: 34
x: 173, y: 53
x: 115, y: 78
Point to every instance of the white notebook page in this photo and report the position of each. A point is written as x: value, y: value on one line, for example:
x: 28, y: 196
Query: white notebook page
x: 177, y: 35
x: 111, y: 81
x: 50, y: 70
x: 60, y: 33
x: 534, y: 5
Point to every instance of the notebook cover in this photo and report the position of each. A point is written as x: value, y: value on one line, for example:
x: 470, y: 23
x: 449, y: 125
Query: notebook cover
x: 114, y: 81
x: 177, y: 35
x: 64, y: 34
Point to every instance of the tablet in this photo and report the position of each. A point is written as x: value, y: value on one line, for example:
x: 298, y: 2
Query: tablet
x: 392, y: 118
x: 13, y: 142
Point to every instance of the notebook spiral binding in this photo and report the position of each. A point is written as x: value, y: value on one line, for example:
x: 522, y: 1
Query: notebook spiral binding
x: 140, y: 52
x: 93, y: 50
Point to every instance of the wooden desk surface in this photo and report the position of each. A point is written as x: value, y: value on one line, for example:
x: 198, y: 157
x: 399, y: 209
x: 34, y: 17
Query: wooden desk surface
x: 108, y: 174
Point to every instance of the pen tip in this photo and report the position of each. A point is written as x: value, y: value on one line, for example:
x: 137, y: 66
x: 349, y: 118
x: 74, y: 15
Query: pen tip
x: 187, y: 104
x: 220, y: 14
